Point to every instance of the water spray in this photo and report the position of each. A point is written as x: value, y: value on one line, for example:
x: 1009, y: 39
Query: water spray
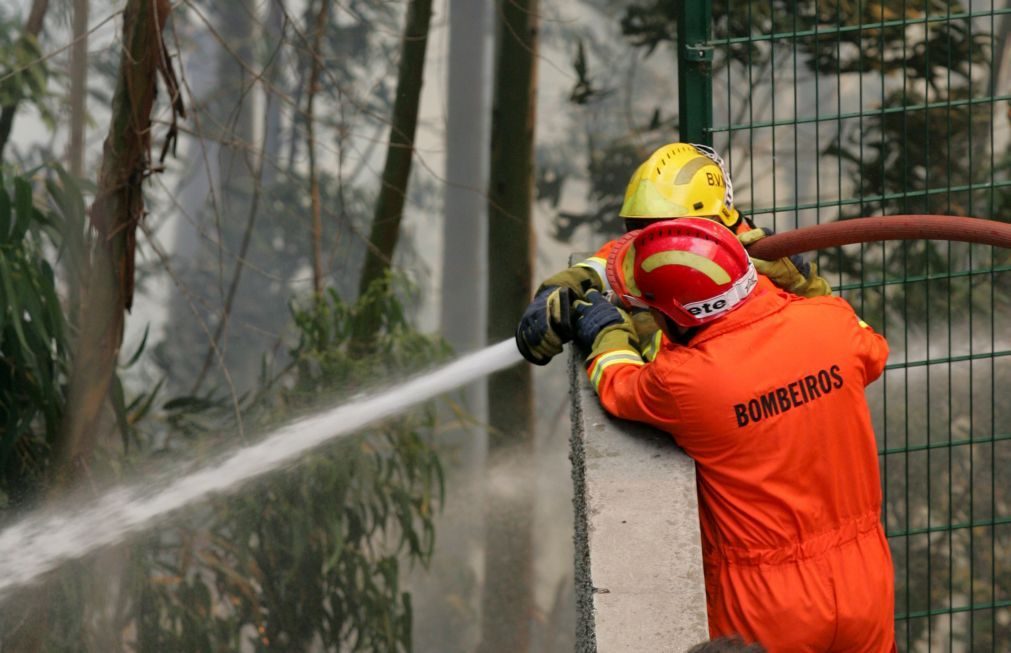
x: 40, y: 544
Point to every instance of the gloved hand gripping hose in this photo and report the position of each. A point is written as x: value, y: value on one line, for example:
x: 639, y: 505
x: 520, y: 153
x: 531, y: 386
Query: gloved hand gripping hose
x: 553, y: 319
x: 791, y: 273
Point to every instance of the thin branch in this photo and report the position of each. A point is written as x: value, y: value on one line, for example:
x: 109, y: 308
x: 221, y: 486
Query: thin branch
x: 78, y: 88
x: 198, y: 133
x: 164, y: 258
x: 247, y: 237
x: 60, y: 50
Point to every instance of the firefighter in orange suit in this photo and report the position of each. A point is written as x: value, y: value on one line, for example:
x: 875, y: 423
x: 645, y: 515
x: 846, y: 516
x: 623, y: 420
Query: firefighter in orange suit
x: 676, y: 180
x: 765, y: 391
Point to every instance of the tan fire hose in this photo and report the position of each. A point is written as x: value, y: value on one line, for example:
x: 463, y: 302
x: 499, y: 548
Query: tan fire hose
x: 891, y: 227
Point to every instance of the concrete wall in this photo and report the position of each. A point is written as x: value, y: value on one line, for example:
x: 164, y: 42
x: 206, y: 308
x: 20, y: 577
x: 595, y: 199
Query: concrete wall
x: 639, y: 582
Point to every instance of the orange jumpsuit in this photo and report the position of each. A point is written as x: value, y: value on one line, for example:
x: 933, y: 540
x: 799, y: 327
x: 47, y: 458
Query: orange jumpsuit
x: 769, y: 402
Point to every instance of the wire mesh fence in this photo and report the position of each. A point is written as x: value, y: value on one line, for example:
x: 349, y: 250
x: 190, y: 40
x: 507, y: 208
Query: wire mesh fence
x: 833, y: 110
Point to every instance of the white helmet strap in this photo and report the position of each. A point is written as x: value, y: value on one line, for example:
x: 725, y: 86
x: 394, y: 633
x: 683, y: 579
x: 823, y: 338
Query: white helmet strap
x: 728, y: 197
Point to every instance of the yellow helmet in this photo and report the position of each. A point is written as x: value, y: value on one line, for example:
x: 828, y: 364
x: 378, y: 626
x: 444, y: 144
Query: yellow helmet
x: 680, y: 180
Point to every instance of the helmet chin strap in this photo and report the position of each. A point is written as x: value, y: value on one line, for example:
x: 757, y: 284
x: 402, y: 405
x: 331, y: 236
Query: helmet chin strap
x: 728, y: 196
x: 674, y: 331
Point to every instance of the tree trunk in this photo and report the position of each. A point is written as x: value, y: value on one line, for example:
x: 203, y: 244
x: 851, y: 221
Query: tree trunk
x: 464, y: 258
x: 33, y: 26
x: 108, y: 289
x: 115, y: 213
x: 439, y: 625
x: 508, y: 598
x: 310, y: 136
x: 78, y: 88
x: 396, y: 172
x: 274, y: 30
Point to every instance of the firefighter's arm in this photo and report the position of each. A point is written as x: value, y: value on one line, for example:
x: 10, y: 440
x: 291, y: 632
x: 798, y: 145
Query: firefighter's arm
x: 543, y: 328
x: 617, y: 371
x: 589, y: 274
x: 580, y: 279
x: 792, y: 273
x: 872, y: 349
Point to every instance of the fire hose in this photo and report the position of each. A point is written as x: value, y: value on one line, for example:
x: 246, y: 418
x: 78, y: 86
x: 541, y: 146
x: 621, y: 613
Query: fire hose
x: 851, y: 232
x: 891, y: 227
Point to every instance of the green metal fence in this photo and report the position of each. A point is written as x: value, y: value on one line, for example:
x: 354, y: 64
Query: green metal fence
x: 833, y: 110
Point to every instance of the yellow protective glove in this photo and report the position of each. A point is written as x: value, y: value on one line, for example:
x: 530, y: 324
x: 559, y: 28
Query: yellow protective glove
x: 792, y: 274
x: 644, y: 324
x: 578, y: 279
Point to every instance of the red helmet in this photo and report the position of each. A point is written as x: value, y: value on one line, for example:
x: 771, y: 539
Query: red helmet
x: 692, y: 270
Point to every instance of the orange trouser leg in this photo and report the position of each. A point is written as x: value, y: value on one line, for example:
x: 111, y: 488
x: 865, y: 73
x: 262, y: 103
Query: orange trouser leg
x: 788, y: 607
x: 841, y: 601
x: 865, y: 589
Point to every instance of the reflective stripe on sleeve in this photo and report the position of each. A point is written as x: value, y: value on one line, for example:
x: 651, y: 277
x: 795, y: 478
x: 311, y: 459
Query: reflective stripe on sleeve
x: 602, y: 362
x: 599, y: 266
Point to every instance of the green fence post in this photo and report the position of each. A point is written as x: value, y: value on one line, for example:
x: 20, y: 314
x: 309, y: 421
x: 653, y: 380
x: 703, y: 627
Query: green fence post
x: 695, y: 72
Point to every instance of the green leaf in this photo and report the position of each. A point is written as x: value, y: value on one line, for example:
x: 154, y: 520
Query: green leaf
x: 29, y: 47
x: 119, y: 409
x: 3, y: 305
x: 140, y: 349
x: 5, y: 214
x: 16, y: 312
x: 58, y: 194
x: 22, y: 208
x: 57, y: 324
x: 188, y: 403
x: 35, y: 80
x: 139, y: 412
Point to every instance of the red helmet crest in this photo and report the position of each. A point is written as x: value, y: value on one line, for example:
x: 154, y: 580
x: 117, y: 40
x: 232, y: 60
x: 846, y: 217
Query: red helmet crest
x: 692, y: 270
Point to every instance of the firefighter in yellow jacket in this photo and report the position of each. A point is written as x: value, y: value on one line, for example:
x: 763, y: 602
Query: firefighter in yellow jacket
x: 677, y: 180
x: 765, y: 391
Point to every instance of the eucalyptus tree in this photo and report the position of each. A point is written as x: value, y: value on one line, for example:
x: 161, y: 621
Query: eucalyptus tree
x: 385, y: 229
x: 507, y: 593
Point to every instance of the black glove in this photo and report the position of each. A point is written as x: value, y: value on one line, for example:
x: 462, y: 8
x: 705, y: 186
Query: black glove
x: 593, y: 315
x: 545, y: 326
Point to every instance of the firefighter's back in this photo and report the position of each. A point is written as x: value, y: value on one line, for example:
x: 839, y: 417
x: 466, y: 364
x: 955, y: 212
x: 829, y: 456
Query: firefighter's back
x: 772, y: 408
